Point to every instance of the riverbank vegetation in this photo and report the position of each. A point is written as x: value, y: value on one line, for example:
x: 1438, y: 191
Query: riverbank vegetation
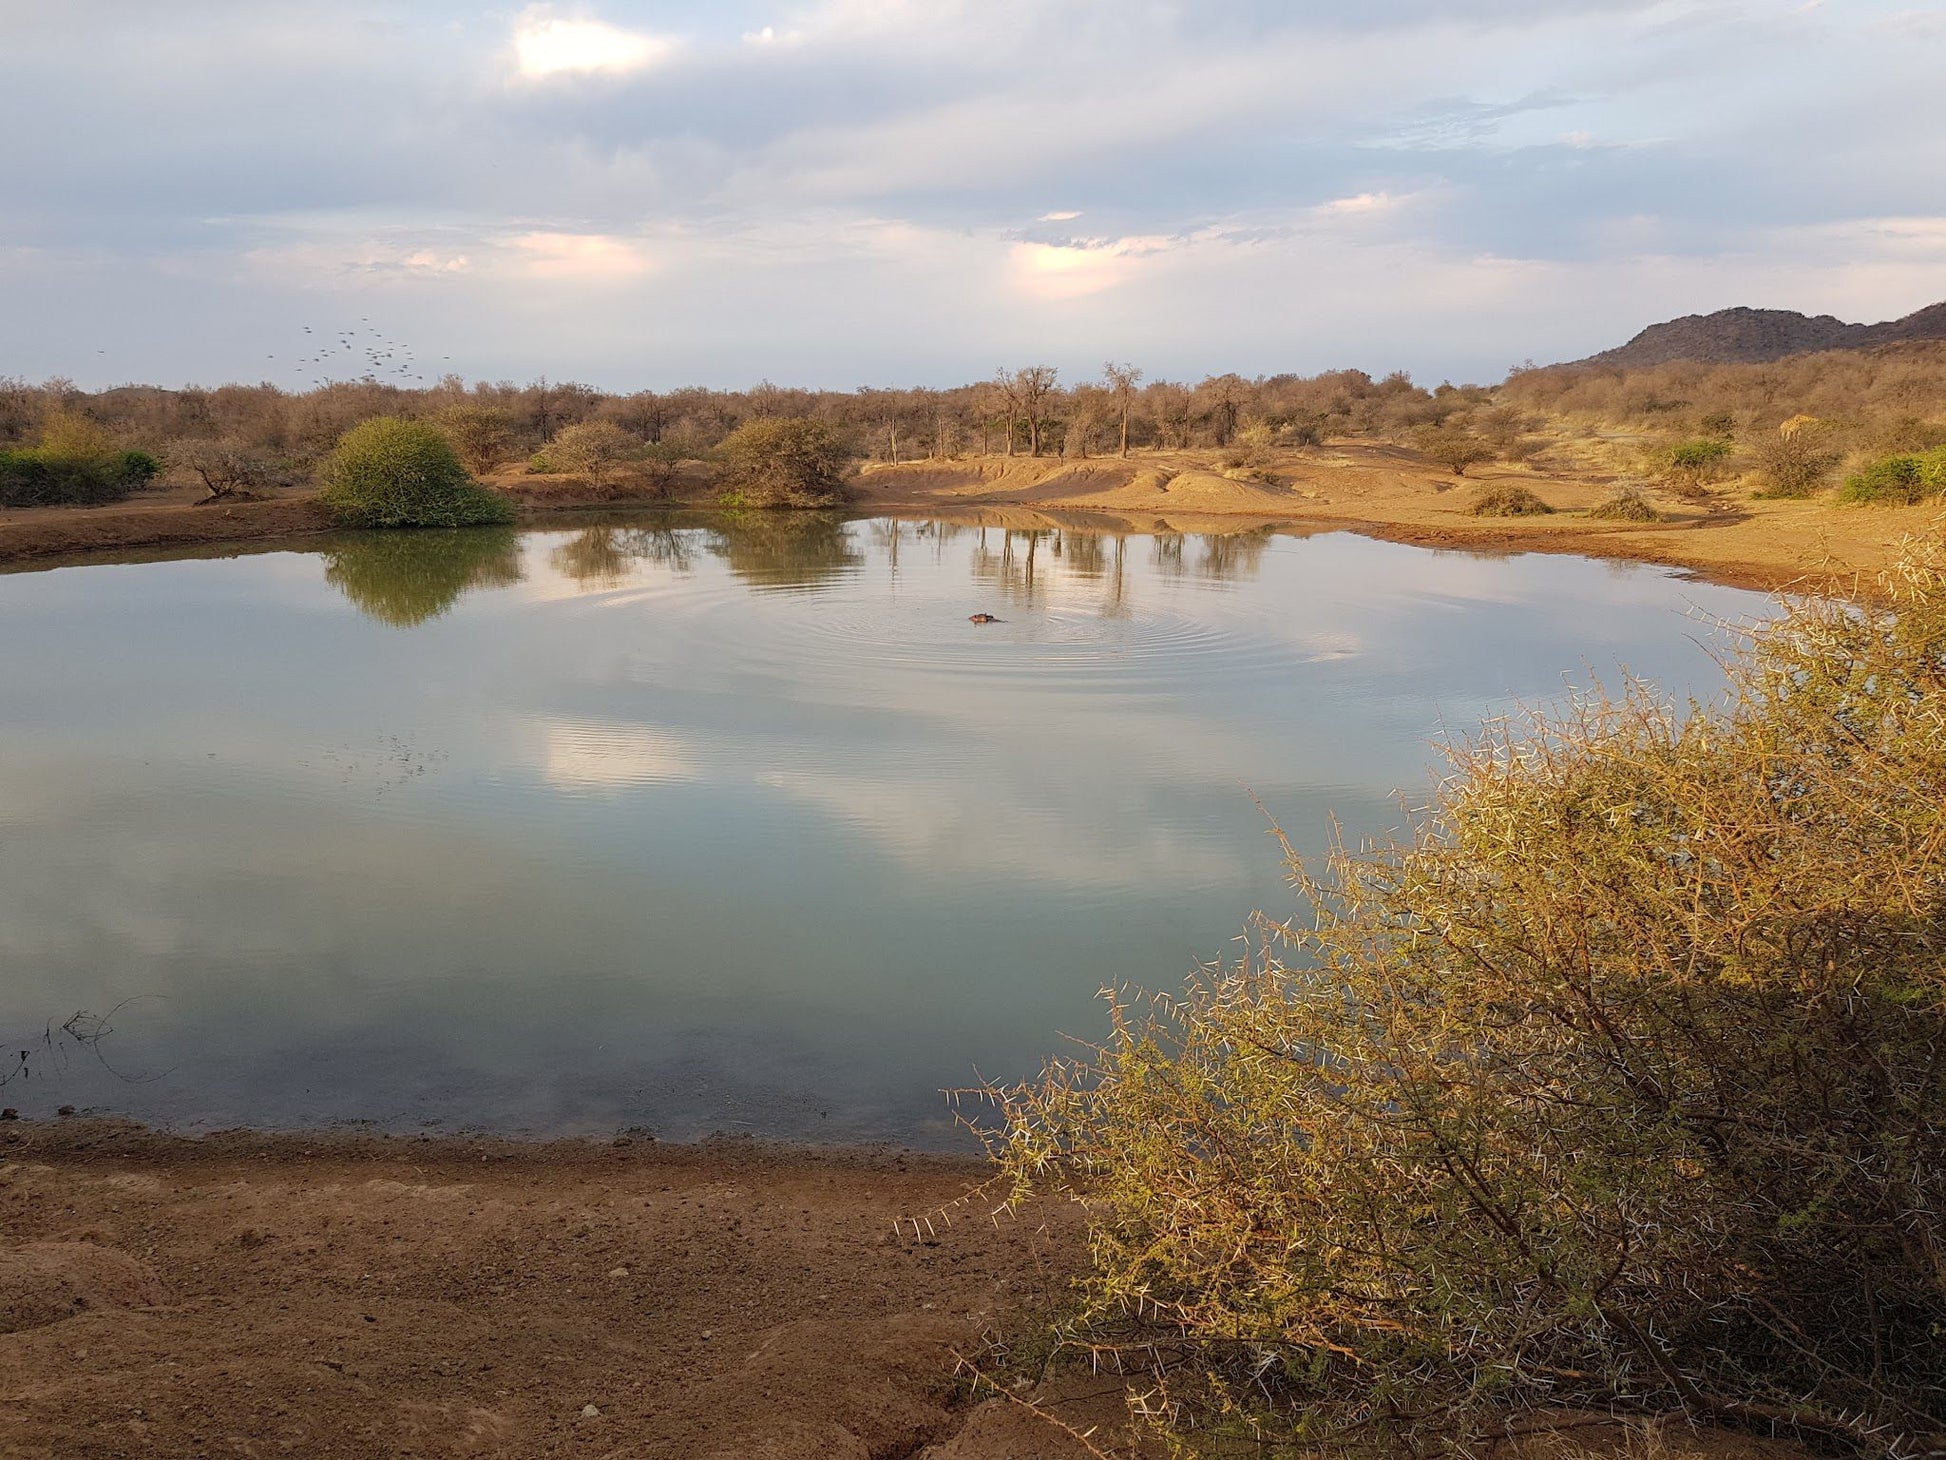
x: 1615, y: 1086
x: 1694, y: 443
x: 390, y: 472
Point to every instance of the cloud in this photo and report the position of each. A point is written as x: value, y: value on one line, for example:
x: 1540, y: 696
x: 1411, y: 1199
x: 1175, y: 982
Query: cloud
x: 546, y: 44
x: 789, y: 206
x: 579, y: 256
x: 1068, y: 270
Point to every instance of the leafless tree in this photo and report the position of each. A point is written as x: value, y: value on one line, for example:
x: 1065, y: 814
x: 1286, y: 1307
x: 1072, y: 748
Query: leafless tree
x: 1121, y: 381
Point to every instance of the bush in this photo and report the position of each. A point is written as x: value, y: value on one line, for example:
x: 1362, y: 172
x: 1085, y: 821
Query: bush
x: 43, y: 476
x: 1453, y: 446
x: 1508, y: 501
x: 1904, y: 480
x: 228, y: 468
x: 394, y: 473
x: 1797, y: 460
x: 1627, y: 505
x: 1615, y: 1087
x: 597, y: 450
x: 783, y: 461
x: 481, y: 436
x: 1689, y: 466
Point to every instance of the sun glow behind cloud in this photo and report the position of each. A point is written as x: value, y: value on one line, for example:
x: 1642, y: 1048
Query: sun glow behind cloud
x: 590, y: 257
x: 549, y: 45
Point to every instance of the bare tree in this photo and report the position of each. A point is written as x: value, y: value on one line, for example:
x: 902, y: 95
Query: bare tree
x: 1222, y: 398
x: 1088, y: 407
x: 1170, y: 404
x: 1035, y: 384
x: 1009, y: 385
x: 1121, y: 381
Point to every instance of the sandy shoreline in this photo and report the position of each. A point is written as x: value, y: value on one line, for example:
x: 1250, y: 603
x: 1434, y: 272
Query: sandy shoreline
x: 1379, y: 491
x: 353, y: 1295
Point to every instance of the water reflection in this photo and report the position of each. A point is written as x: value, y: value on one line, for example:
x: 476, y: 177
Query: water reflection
x: 711, y: 823
x: 406, y: 578
x: 785, y: 550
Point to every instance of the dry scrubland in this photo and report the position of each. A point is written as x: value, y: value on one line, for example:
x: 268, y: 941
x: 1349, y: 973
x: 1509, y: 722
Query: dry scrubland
x: 1737, y: 471
x: 1641, y: 1112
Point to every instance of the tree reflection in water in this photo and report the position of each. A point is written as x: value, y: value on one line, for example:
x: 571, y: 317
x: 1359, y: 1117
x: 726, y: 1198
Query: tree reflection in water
x: 409, y: 576
x: 785, y: 550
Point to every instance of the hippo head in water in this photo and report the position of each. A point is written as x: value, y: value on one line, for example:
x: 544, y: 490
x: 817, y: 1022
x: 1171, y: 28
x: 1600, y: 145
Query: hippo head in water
x: 983, y: 618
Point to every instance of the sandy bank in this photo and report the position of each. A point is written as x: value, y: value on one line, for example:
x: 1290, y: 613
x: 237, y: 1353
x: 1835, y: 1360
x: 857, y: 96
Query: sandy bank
x: 357, y: 1297
x: 1381, y: 490
x: 1393, y: 493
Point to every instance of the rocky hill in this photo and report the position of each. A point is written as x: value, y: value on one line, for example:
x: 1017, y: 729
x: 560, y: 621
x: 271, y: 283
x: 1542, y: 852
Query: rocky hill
x: 1749, y: 335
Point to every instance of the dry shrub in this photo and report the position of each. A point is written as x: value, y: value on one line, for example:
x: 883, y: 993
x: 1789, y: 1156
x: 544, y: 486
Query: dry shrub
x: 1797, y: 459
x: 1454, y: 446
x: 1508, y: 500
x: 229, y: 469
x: 1619, y: 1085
x: 1627, y: 505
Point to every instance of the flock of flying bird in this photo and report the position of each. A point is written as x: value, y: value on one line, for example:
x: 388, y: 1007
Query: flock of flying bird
x: 385, y: 359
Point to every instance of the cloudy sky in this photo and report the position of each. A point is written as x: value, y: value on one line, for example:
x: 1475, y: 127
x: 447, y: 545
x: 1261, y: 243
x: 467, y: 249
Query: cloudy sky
x: 645, y: 193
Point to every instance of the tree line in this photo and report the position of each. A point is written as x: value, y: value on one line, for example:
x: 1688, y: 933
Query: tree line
x: 1027, y: 411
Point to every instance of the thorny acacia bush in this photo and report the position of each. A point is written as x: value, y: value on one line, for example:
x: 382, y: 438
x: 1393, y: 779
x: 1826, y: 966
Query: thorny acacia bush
x: 1620, y: 1084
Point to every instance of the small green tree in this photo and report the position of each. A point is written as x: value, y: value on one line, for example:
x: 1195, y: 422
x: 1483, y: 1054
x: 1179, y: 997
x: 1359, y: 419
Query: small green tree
x: 783, y: 461
x: 390, y: 472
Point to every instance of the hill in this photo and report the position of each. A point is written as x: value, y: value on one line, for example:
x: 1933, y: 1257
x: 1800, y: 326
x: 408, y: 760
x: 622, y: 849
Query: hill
x: 1749, y: 336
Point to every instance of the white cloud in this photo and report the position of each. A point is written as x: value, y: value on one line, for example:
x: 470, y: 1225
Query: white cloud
x: 1064, y: 217
x: 546, y: 44
x: 588, y: 257
x: 1066, y: 271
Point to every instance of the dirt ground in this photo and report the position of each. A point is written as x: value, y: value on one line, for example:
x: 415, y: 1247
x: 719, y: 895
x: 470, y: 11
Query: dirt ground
x: 369, y: 1297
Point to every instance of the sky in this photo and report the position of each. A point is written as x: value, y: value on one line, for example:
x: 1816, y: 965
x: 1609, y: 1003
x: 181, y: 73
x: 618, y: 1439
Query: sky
x: 647, y: 193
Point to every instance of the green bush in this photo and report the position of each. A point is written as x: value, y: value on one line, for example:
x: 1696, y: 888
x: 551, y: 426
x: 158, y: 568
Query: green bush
x: 390, y: 472
x: 1903, y: 480
x: 783, y: 461
x: 44, y: 476
x: 1616, y: 1087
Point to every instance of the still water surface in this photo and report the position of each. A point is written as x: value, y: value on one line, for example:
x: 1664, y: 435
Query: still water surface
x: 710, y: 825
